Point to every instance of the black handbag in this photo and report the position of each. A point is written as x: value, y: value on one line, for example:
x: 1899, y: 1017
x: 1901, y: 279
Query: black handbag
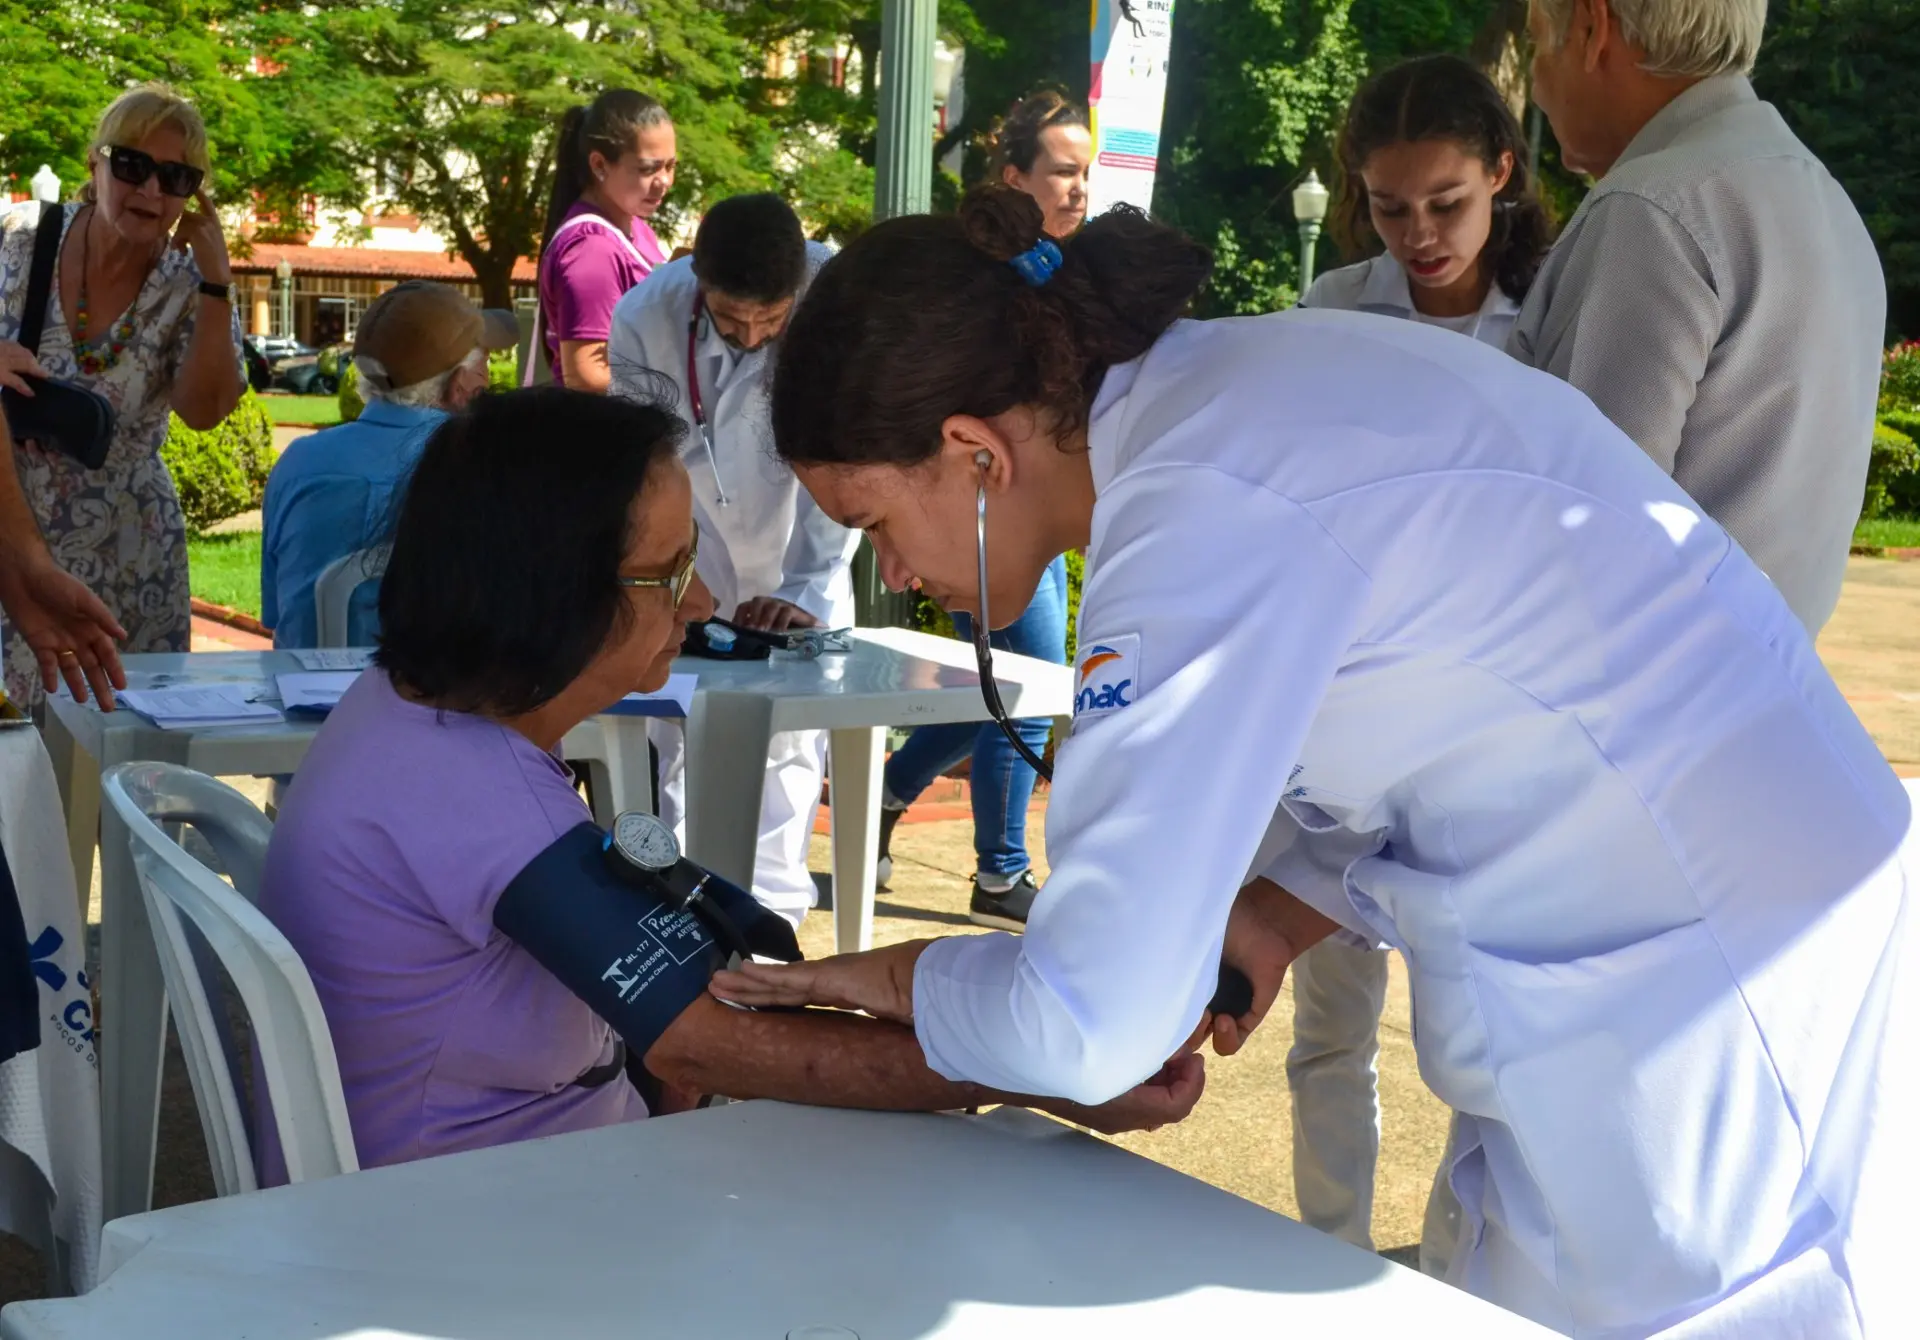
x: 61, y: 416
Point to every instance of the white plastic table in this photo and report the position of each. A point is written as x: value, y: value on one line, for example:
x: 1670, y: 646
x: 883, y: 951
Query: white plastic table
x: 893, y: 677
x: 753, y: 1221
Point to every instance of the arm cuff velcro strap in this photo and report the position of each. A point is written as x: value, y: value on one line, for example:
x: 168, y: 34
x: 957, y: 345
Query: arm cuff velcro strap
x: 632, y: 959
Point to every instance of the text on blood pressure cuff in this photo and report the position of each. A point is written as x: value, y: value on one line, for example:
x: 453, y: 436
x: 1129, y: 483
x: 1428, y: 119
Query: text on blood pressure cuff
x: 628, y: 955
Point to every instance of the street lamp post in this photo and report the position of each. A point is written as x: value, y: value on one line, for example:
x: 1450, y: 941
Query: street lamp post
x: 902, y: 184
x: 903, y: 159
x: 1310, y: 209
x: 284, y: 273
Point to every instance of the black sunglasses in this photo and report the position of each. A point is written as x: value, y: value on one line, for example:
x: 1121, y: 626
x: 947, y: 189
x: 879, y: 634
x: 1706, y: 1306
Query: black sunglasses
x: 135, y: 166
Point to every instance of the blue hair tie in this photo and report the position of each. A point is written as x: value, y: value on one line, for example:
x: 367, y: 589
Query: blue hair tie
x: 1037, y: 263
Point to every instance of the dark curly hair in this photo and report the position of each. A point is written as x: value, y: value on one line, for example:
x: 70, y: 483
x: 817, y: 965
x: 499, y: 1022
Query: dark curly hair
x: 1445, y: 98
x: 922, y: 317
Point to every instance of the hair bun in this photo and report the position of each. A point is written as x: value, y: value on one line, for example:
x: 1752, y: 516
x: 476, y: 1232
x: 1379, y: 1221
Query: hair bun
x: 1001, y: 221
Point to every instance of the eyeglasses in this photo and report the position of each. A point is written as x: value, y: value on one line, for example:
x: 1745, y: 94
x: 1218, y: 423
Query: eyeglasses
x: 679, y: 583
x: 136, y: 166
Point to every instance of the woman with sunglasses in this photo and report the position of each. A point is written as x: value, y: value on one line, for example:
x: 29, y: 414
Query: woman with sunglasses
x: 1386, y: 635
x: 139, y: 311
x: 542, y: 568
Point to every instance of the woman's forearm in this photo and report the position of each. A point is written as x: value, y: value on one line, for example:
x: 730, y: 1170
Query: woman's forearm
x: 833, y: 1059
x: 20, y: 537
x: 209, y: 384
x: 826, y: 1057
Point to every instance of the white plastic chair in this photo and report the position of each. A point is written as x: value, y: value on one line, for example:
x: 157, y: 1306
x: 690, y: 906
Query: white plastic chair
x: 333, y: 591
x: 295, y: 1050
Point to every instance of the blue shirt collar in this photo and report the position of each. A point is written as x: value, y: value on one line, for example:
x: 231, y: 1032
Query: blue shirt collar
x: 383, y: 415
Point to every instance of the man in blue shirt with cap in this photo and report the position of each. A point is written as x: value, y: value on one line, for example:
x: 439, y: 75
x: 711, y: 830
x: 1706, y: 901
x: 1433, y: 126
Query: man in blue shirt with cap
x: 421, y: 353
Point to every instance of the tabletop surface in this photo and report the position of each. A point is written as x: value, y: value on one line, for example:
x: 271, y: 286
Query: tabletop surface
x: 753, y: 1220
x: 888, y: 664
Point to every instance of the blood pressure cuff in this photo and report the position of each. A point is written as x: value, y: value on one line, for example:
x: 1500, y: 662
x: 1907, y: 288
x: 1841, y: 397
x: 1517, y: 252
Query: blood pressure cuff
x: 635, y: 960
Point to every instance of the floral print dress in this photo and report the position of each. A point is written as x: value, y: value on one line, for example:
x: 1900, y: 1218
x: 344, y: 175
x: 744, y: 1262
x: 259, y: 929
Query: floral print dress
x: 118, y: 529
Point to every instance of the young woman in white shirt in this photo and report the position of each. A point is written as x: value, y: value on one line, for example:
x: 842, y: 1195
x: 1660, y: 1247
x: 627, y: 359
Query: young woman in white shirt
x: 1434, y: 180
x: 1385, y: 633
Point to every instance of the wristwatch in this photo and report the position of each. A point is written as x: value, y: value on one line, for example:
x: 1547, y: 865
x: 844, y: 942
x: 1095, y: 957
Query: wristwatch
x: 223, y: 292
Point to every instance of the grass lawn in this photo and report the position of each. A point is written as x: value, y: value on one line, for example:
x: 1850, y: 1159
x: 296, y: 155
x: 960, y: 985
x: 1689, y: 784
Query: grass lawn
x: 306, y: 411
x: 1889, y: 532
x: 225, y: 570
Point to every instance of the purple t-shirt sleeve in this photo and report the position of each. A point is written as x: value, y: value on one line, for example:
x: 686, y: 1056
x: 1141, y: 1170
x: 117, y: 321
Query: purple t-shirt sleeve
x: 520, y: 804
x: 591, y: 272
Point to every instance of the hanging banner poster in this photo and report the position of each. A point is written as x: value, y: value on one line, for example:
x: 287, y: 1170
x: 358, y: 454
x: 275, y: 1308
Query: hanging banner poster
x: 1131, y: 39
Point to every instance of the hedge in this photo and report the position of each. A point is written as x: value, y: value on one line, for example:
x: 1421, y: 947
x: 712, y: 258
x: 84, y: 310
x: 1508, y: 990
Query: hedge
x: 502, y: 375
x: 222, y: 472
x: 349, y: 394
x: 1900, y: 380
x: 1893, y: 475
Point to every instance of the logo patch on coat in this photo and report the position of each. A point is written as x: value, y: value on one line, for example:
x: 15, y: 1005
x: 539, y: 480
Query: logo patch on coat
x: 1107, y: 677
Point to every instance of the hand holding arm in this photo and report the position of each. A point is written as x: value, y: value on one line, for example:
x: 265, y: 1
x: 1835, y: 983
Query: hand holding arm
x: 878, y: 981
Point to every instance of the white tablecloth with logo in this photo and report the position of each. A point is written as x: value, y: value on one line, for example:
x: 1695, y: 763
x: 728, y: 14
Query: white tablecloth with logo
x: 49, y: 1097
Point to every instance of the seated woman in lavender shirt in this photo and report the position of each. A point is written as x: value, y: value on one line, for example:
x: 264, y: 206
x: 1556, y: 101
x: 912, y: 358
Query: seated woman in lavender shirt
x: 510, y: 614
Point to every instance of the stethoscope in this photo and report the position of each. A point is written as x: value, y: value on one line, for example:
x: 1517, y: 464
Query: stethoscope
x: 700, y: 423
x: 1233, y: 995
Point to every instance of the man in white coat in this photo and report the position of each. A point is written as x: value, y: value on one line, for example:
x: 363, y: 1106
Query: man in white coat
x: 708, y: 323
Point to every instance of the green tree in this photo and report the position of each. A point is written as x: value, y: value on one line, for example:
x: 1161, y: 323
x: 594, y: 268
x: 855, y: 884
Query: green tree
x: 1846, y: 76
x: 457, y: 105
x: 65, y: 60
x: 1254, y: 91
x: 1023, y: 46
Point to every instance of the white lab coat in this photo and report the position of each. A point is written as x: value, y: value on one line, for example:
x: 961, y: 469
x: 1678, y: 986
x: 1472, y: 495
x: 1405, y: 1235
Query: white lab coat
x: 767, y: 538
x: 1339, y: 990
x: 1413, y: 630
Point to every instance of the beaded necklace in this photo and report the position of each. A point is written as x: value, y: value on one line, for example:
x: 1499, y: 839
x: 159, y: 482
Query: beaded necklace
x: 101, y: 354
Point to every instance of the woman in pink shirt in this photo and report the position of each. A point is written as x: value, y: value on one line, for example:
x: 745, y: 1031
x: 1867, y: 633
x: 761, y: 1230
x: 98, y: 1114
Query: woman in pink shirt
x: 613, y: 167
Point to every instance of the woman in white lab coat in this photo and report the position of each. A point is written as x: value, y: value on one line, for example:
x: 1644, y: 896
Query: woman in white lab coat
x: 1387, y: 636
x: 768, y: 554
x: 1434, y: 181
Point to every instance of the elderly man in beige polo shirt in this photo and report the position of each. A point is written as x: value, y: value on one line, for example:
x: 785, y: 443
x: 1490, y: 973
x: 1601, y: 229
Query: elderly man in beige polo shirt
x: 1716, y: 294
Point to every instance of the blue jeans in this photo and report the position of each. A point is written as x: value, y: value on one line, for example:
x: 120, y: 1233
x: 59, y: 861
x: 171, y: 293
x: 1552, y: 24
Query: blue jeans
x: 1002, y: 782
